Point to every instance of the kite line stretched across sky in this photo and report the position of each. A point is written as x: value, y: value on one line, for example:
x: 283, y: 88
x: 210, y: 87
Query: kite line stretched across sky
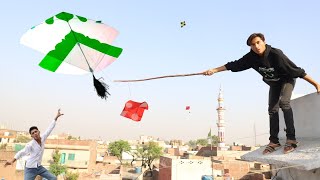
x: 160, y: 77
x: 74, y: 44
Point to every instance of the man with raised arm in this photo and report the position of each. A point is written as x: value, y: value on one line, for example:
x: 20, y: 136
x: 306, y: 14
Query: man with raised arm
x: 35, y: 149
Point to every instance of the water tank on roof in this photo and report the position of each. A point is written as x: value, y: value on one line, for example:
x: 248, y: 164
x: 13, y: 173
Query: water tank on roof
x: 207, y: 177
x: 138, y: 170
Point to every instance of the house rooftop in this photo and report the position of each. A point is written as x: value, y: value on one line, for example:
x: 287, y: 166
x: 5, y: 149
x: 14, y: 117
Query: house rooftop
x: 305, y: 157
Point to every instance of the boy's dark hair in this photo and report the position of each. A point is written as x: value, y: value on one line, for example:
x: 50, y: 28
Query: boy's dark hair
x: 254, y: 35
x: 32, y: 128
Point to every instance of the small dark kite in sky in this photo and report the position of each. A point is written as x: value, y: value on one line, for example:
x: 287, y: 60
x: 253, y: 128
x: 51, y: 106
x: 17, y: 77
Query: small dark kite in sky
x: 183, y: 23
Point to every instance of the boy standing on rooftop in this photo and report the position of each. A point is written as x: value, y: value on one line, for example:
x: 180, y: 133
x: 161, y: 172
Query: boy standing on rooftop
x: 280, y: 73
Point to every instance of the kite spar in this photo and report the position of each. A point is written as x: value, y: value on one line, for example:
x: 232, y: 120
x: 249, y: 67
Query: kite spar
x: 160, y: 77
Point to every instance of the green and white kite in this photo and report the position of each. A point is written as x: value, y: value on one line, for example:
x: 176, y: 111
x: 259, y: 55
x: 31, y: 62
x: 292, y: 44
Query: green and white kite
x: 74, y: 45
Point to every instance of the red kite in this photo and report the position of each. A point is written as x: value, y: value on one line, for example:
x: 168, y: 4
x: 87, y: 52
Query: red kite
x: 134, y: 110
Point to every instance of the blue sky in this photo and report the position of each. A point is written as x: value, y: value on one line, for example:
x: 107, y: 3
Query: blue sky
x: 153, y: 45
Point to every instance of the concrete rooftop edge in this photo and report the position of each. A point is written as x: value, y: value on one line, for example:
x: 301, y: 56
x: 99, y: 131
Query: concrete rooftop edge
x: 305, y: 157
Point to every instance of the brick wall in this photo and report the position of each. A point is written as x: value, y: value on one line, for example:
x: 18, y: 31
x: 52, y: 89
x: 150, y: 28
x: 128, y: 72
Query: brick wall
x: 236, y: 169
x: 165, y: 168
x: 9, y: 172
x: 69, y: 142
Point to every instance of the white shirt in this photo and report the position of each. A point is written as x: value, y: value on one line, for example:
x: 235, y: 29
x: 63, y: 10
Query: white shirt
x: 34, y: 149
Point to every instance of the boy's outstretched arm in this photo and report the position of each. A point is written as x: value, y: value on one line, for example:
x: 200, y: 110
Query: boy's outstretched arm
x: 209, y: 72
x: 9, y: 162
x: 26, y: 150
x: 313, y: 82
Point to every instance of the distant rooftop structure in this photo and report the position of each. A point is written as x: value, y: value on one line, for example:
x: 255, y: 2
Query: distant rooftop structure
x: 145, y: 139
x: 221, y: 121
x: 4, y: 126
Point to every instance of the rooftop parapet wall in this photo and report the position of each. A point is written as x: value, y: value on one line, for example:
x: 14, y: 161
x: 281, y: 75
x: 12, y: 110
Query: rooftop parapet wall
x: 307, y: 122
x: 306, y: 113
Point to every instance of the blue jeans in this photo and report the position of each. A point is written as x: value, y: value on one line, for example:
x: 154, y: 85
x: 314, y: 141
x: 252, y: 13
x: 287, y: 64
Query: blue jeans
x: 31, y: 173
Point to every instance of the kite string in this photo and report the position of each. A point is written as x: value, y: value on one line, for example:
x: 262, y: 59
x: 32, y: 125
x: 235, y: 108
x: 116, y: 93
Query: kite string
x: 160, y: 77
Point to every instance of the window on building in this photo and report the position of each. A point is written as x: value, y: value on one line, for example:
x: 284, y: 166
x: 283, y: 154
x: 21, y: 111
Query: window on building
x: 63, y: 158
x: 18, y: 147
x: 71, y: 157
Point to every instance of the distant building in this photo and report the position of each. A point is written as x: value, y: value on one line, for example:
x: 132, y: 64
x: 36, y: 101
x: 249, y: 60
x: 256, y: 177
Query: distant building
x: 176, y: 143
x: 74, y: 154
x: 220, y: 122
x: 174, y: 151
x: 23, y: 133
x: 7, y: 136
x: 60, y: 136
x: 195, y: 167
x: 174, y: 168
x: 145, y: 139
x: 81, y: 156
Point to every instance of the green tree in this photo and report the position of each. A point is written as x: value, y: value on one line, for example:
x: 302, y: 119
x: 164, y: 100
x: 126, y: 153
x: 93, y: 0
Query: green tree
x: 142, y: 155
x: 118, y: 147
x: 202, y: 142
x: 149, y: 153
x: 192, y: 144
x: 22, y: 139
x: 214, y: 140
x: 135, y: 155
x: 73, y: 138
x: 56, y: 167
x: 3, y: 146
x: 71, y: 176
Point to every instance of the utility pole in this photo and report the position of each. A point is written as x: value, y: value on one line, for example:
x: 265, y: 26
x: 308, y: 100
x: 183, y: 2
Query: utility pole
x: 255, y: 134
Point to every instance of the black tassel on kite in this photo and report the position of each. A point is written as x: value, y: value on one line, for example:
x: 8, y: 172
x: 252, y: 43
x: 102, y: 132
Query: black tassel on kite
x: 101, y: 87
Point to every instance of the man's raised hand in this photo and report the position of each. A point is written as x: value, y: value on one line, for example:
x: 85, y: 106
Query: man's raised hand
x: 58, y: 115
